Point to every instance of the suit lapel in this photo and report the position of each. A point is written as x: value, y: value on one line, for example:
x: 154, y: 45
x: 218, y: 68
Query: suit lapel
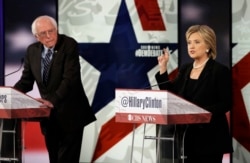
x: 37, y: 61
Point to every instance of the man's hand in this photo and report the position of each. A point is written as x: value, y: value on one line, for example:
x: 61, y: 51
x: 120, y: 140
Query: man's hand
x: 45, y: 103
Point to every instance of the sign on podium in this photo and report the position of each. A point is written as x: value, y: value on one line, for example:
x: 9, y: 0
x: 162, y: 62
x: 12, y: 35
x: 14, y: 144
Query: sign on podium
x: 15, y: 104
x: 157, y: 107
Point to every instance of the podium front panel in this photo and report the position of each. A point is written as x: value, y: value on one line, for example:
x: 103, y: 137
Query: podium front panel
x: 157, y: 107
x: 15, y: 104
x: 137, y: 106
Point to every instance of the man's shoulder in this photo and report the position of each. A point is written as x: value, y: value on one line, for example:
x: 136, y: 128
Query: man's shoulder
x: 35, y: 45
x: 66, y: 38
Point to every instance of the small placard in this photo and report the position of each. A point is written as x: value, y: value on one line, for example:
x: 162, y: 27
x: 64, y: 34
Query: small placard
x: 141, y: 106
x: 15, y: 104
x: 156, y: 106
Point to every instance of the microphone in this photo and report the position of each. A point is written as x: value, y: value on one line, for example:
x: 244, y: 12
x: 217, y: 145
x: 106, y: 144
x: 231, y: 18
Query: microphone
x: 21, y: 65
x: 151, y: 86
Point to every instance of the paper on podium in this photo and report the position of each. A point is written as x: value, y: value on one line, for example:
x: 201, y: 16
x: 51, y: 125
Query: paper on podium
x: 156, y: 106
x: 15, y: 104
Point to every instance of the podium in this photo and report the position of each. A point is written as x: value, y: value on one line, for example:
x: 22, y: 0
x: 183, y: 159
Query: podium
x: 156, y: 107
x: 17, y: 105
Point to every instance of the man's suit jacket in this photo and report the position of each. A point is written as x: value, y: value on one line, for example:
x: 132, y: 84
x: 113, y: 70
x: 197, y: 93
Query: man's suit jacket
x: 213, y: 93
x: 64, y: 89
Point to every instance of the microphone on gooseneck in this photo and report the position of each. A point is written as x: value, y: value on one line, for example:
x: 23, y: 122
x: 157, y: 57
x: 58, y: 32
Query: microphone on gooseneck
x: 21, y: 65
x: 151, y: 86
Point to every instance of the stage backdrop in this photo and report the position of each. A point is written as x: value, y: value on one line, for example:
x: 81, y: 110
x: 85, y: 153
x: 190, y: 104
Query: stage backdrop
x: 119, y: 41
x: 1, y: 43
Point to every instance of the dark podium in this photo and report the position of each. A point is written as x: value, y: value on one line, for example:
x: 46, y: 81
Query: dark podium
x: 158, y: 107
x: 16, y: 106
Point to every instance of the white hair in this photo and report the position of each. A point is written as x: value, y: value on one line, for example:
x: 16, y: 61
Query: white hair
x: 33, y: 25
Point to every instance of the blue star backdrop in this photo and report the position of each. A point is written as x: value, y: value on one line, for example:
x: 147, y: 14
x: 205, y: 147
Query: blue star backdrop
x: 116, y: 60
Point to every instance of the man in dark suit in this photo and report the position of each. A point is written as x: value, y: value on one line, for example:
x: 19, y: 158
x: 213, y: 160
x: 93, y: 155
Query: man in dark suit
x: 59, y: 82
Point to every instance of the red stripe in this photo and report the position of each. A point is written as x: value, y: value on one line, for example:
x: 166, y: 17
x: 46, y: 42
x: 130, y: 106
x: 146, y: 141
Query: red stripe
x: 32, y: 136
x: 150, y: 15
x: 111, y: 133
x: 240, y: 121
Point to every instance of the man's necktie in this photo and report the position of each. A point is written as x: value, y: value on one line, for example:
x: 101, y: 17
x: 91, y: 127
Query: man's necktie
x: 46, y: 64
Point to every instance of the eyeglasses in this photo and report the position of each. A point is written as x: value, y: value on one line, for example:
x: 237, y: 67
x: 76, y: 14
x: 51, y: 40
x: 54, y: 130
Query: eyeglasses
x: 45, y: 33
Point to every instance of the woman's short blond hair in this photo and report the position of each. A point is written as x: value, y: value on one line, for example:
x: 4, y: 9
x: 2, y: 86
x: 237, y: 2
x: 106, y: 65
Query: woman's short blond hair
x: 208, y: 35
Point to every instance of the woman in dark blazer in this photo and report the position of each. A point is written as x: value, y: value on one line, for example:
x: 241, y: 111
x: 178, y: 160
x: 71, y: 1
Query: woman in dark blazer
x: 62, y: 92
x: 207, y: 84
